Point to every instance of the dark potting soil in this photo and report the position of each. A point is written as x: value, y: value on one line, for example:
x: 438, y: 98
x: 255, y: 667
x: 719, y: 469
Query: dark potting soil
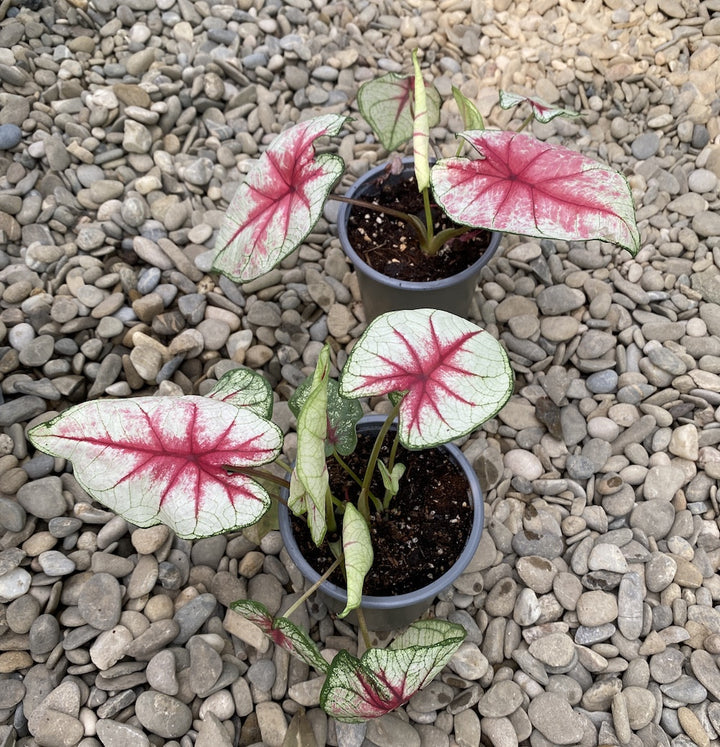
x: 421, y: 535
x: 391, y: 246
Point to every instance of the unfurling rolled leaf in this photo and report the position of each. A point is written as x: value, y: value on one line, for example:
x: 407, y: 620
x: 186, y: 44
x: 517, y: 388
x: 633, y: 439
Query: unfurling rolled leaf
x: 421, y: 129
x: 391, y: 480
x: 523, y: 185
x: 245, y: 388
x: 279, y: 202
x: 282, y: 633
x: 163, y: 460
x: 386, y: 104
x: 454, y: 375
x: 309, y: 482
x: 358, y: 554
x: 471, y: 117
x: 383, y: 679
x: 541, y: 110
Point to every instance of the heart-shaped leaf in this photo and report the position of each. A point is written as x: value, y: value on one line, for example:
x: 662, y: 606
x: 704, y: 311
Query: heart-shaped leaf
x: 279, y: 202
x: 541, y: 110
x: 386, y: 105
x: 522, y: 185
x: 471, y: 117
x: 282, y: 633
x: 358, y: 553
x: 309, y: 482
x: 421, y: 129
x: 453, y: 374
x: 162, y: 460
x: 342, y: 416
x: 383, y: 679
x: 245, y: 388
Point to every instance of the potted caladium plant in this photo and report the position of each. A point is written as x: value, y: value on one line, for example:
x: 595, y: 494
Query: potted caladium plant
x: 201, y: 465
x: 514, y: 184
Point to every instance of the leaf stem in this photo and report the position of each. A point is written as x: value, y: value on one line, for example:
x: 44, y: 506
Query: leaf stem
x: 527, y: 121
x: 307, y: 594
x: 372, y: 461
x: 283, y: 465
x: 428, y: 246
x: 330, y: 511
x: 430, y: 243
x: 355, y: 477
x: 414, y: 222
x: 391, y: 465
x: 362, y: 625
x: 260, y: 474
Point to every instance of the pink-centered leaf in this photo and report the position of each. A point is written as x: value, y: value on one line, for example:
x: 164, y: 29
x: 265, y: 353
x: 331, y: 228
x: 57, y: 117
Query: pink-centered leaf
x: 162, y: 460
x: 454, y: 375
x: 387, y: 105
x: 541, y: 110
x: 282, y: 632
x: 384, y: 679
x: 525, y: 186
x: 279, y: 202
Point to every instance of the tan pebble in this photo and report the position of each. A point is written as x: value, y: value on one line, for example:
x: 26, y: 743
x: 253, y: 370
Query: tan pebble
x: 692, y: 727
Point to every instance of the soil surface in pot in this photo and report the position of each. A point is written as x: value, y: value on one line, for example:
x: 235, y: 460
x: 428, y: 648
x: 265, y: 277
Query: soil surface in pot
x: 421, y: 535
x: 391, y: 247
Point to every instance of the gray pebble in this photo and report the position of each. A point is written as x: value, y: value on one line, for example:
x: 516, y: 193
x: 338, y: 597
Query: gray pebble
x: 100, y: 601
x: 192, y: 615
x: 10, y: 136
x: 163, y: 714
x: 645, y: 146
x: 43, y: 498
x: 44, y: 635
x: 262, y: 674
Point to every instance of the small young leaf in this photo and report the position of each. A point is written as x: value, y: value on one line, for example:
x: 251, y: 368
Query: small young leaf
x: 453, y: 374
x: 391, y: 480
x: 245, y: 388
x: 421, y: 130
x: 342, y: 416
x: 279, y: 202
x: 358, y: 552
x: 282, y: 633
x: 541, y: 110
x: 386, y: 105
x: 162, y: 460
x: 523, y: 185
x: 383, y: 679
x: 471, y: 117
x: 309, y: 482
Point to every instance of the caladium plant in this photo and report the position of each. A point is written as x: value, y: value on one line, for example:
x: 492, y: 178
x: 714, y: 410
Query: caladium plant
x: 199, y: 465
x: 514, y: 183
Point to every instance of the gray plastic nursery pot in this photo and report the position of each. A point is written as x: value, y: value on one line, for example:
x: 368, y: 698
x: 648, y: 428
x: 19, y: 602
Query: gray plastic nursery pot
x: 381, y: 293
x: 384, y: 613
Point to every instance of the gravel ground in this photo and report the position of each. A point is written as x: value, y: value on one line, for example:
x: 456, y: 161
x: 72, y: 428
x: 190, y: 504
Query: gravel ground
x: 592, y: 604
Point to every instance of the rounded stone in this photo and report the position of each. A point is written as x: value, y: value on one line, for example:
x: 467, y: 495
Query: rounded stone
x: 501, y: 699
x: 555, y: 719
x: 654, y: 517
x: 10, y: 136
x: 100, y: 601
x: 524, y: 464
x: 596, y: 608
x: 163, y: 714
x: 14, y: 584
